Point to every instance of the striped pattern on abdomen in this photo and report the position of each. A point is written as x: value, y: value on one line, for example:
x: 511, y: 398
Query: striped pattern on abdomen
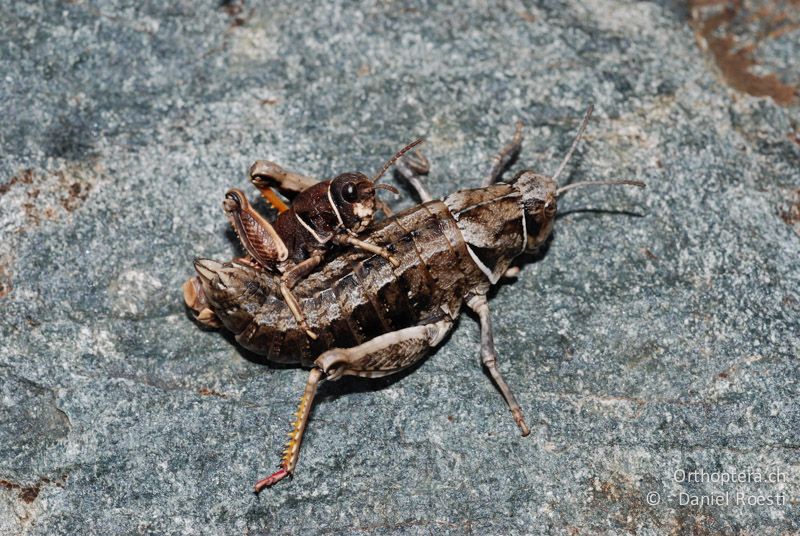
x: 357, y: 296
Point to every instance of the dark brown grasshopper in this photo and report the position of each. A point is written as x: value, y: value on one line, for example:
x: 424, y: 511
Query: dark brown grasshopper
x: 373, y: 318
x: 322, y: 215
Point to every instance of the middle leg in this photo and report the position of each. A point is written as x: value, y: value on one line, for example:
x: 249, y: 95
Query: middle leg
x: 289, y: 279
x: 489, y: 358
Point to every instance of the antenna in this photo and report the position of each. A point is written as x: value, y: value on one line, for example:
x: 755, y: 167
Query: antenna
x: 586, y: 117
x: 568, y: 187
x: 386, y: 187
x: 397, y: 155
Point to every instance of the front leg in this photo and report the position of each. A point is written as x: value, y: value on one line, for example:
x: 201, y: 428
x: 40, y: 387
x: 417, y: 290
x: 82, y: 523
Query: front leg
x: 489, y: 358
x: 505, y: 157
x: 381, y: 356
x: 346, y: 239
x: 411, y: 167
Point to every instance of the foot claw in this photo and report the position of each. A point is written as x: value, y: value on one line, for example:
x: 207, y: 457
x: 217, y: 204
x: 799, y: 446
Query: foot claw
x: 520, y: 420
x: 271, y: 480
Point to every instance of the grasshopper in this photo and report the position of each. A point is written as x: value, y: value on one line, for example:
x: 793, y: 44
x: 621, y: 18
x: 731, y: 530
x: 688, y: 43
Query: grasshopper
x: 374, y: 318
x: 322, y: 215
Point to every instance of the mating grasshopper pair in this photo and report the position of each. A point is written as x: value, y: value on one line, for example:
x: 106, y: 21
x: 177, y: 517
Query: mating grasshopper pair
x: 376, y: 310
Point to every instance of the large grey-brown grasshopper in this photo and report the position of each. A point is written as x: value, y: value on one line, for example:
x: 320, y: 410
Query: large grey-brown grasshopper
x: 373, y: 318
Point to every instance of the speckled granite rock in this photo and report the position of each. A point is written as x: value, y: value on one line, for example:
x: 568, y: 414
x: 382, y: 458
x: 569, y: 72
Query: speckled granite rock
x: 659, y: 332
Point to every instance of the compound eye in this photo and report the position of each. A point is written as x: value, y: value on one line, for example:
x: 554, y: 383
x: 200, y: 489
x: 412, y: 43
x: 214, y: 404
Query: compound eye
x: 349, y: 193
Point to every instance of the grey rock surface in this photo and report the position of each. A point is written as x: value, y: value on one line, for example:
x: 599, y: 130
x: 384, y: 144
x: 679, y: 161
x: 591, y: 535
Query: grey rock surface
x: 657, y: 334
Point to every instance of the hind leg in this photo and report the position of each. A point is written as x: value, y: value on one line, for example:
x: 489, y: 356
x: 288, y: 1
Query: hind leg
x: 292, y: 451
x: 381, y: 356
x: 385, y: 354
x: 268, y: 176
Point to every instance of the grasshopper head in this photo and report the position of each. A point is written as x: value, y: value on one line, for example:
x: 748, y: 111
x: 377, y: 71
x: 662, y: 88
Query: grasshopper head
x: 540, y: 194
x: 352, y: 196
x: 540, y: 200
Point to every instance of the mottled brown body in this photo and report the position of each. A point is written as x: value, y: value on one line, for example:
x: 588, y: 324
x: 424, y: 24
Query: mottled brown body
x: 379, y: 307
x: 323, y: 215
x: 313, y: 207
x: 358, y: 296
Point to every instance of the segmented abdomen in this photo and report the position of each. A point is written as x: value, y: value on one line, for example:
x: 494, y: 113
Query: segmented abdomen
x: 358, y: 296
